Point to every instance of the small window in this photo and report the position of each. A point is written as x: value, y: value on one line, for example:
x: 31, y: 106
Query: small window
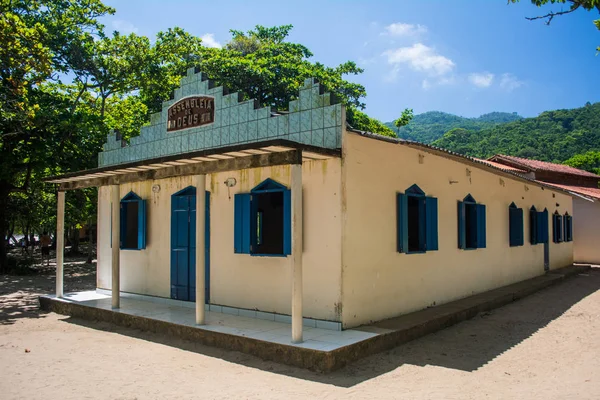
x: 133, y: 222
x: 417, y: 221
x: 515, y: 223
x: 262, y: 223
x: 533, y: 236
x: 471, y: 224
x: 557, y: 228
x: 538, y: 226
x: 568, y: 223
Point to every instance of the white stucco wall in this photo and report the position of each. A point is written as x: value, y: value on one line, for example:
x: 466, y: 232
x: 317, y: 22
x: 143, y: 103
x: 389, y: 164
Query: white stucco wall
x: 238, y: 280
x: 378, y: 282
x: 586, y: 231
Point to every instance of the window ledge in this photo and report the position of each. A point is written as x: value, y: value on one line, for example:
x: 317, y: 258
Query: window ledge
x: 416, y: 252
x: 269, y: 255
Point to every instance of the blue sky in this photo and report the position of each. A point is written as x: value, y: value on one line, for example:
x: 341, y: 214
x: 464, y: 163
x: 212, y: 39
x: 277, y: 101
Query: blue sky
x: 466, y: 57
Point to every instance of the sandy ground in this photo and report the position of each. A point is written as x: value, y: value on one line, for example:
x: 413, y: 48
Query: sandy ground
x: 543, y: 347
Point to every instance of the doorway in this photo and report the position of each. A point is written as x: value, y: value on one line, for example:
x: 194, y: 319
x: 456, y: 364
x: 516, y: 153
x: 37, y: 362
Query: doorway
x: 183, y: 245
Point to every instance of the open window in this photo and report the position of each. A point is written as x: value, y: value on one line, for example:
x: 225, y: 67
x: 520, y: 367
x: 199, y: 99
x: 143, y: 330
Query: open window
x: 417, y: 221
x: 557, y: 227
x: 133, y: 222
x: 515, y: 225
x: 471, y: 224
x: 568, y: 223
x: 262, y: 224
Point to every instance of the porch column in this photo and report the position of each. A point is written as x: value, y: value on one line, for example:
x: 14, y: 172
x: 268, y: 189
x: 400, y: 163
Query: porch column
x: 200, y: 249
x: 116, y: 241
x: 296, y: 196
x: 60, y: 243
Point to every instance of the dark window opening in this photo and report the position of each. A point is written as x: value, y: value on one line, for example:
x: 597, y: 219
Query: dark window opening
x: 471, y: 225
x: 130, y: 241
x: 416, y: 216
x: 269, y: 223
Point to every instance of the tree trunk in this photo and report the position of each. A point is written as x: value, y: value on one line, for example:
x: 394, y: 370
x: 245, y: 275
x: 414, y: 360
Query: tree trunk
x: 3, y: 227
x: 74, y: 240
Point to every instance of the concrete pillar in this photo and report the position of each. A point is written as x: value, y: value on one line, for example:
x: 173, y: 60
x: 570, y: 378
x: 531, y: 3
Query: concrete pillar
x: 296, y: 252
x: 116, y: 241
x: 60, y: 243
x: 200, y: 249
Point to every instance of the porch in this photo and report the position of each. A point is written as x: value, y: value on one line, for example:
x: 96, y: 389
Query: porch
x: 321, y: 349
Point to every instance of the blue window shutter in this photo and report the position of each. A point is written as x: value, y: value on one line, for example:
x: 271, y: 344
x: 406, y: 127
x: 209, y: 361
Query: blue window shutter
x: 241, y: 224
x: 542, y: 226
x: 568, y: 228
x: 431, y: 223
x: 519, y: 229
x: 533, y: 227
x: 462, y: 236
x: 287, y: 222
x: 565, y: 228
x: 481, y: 227
x: 122, y: 223
x: 402, y: 222
x: 515, y: 221
x: 142, y: 224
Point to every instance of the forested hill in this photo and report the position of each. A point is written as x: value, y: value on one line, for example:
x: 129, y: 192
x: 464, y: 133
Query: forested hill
x: 432, y: 125
x: 553, y: 136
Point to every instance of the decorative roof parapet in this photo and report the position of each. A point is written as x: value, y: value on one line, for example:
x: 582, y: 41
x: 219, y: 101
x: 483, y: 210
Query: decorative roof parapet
x: 312, y: 119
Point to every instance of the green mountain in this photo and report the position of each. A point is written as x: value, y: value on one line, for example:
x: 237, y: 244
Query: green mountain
x: 432, y: 125
x: 553, y: 136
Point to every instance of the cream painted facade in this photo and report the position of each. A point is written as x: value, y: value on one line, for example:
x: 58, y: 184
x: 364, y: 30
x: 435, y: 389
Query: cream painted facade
x: 378, y: 282
x: 238, y: 280
x: 352, y: 272
x: 586, y: 231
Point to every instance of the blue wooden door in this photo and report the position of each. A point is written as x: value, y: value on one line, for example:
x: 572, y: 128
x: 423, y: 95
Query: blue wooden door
x: 183, y: 245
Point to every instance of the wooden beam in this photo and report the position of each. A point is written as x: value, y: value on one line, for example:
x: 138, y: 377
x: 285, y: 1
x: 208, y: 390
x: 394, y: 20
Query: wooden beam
x: 201, y: 168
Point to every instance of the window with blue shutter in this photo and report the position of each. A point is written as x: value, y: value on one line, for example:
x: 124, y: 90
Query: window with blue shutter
x: 133, y: 222
x: 533, y: 225
x: 263, y: 220
x: 542, y: 226
x: 515, y: 225
x: 471, y: 224
x: 557, y: 227
x: 417, y: 221
x: 241, y: 225
x: 568, y: 224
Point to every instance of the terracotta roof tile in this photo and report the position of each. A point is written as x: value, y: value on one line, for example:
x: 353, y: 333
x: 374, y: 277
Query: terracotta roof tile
x: 502, y: 166
x: 542, y: 165
x: 585, y: 191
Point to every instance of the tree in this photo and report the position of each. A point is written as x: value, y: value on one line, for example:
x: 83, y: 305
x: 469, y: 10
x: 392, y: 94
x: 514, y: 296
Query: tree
x: 405, y: 118
x: 589, y: 161
x: 41, y: 41
x: 574, y: 5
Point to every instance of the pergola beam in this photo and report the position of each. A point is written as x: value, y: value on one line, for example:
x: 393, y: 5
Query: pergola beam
x: 201, y: 168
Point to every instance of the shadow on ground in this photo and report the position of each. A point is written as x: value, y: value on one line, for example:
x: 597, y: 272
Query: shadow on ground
x: 19, y: 293
x: 466, y: 346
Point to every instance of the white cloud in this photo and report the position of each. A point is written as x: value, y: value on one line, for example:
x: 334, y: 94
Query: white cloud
x: 402, y: 29
x: 439, y: 81
x: 509, y: 82
x: 124, y: 27
x: 208, y: 39
x: 420, y: 58
x: 481, y: 79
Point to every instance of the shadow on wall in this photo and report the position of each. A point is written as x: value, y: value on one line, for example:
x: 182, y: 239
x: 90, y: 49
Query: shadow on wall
x: 466, y: 346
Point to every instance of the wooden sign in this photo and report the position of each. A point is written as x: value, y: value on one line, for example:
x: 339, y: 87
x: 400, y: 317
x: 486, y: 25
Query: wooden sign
x: 191, y: 112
